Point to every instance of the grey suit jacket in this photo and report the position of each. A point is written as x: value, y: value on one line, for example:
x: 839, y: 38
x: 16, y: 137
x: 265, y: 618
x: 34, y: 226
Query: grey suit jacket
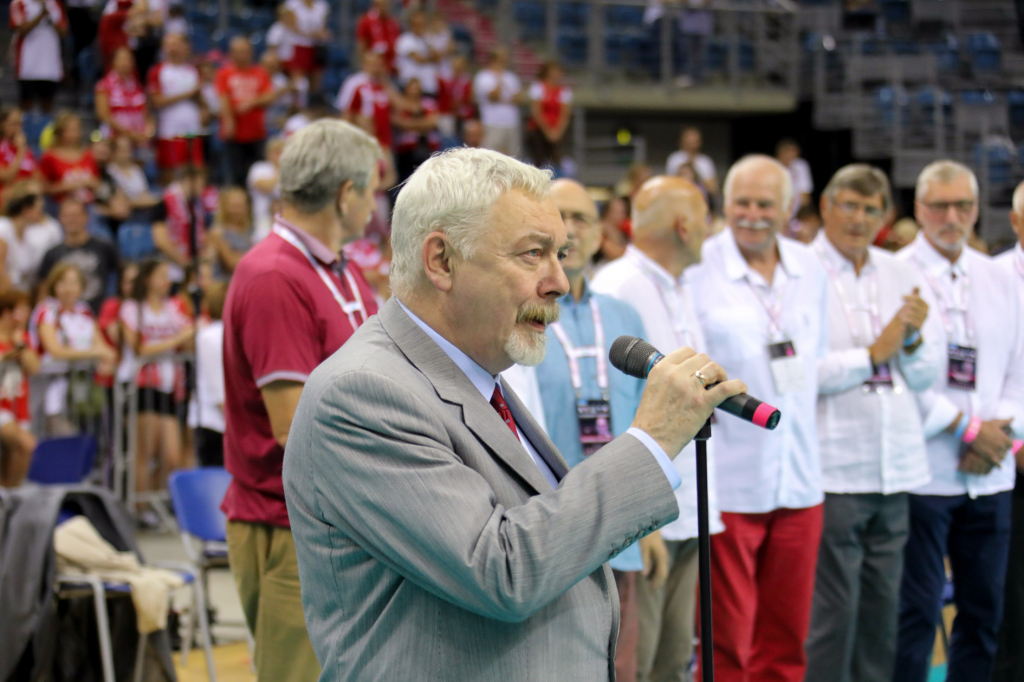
x: 430, y: 545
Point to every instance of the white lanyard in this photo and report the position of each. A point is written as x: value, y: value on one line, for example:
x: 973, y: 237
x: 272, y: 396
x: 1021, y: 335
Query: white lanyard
x: 348, y: 307
x: 944, y: 308
x: 677, y: 318
x: 850, y: 310
x: 772, y: 306
x: 596, y: 351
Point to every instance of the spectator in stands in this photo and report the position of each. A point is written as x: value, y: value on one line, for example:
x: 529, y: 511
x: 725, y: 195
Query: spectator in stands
x: 128, y: 177
x: 804, y: 227
x: 26, y: 235
x: 95, y: 258
x: 290, y: 95
x: 314, y: 111
x: 415, y: 122
x: 636, y: 175
x: 121, y: 101
x: 365, y: 99
x: 455, y: 97
x: 18, y: 361
x: 550, y: 110
x: 875, y: 365
x: 263, y: 190
x: 439, y: 38
x: 113, y: 29
x: 310, y: 36
x: 245, y: 92
x: 416, y: 59
x: 173, y: 219
x: 38, y: 28
x: 473, y: 133
x: 281, y: 35
x: 690, y: 141
x: 66, y: 331
x: 209, y: 433
x: 109, y: 319
x: 499, y: 94
x: 147, y: 31
x: 762, y: 303
x: 231, y: 234
x: 787, y: 152
x: 902, y: 233
x: 83, y: 25
x: 68, y: 166
x: 154, y: 325
x: 281, y: 319
x: 377, y: 31
x: 971, y: 416
x: 615, y: 226
x: 174, y: 92
x: 17, y: 162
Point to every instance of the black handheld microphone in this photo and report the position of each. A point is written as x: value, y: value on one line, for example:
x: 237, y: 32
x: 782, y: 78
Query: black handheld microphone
x: 636, y: 358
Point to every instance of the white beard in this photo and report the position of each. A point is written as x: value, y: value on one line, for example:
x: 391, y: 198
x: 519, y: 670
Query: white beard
x: 526, y: 348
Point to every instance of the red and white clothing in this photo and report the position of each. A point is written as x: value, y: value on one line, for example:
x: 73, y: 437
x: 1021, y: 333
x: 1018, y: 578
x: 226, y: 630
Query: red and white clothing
x: 455, y: 96
x: 282, y: 39
x: 76, y: 329
x: 29, y: 167
x: 156, y: 325
x: 309, y: 19
x: 363, y: 96
x: 13, y: 390
x: 37, y: 53
x: 181, y: 118
x: 242, y: 85
x: 553, y: 100
x: 127, y: 101
x: 406, y: 140
x: 57, y: 169
x: 174, y: 213
x: 379, y: 33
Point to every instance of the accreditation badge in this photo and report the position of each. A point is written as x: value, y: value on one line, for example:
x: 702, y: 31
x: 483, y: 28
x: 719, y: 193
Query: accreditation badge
x: 786, y: 367
x: 880, y: 379
x: 595, y: 420
x: 963, y: 367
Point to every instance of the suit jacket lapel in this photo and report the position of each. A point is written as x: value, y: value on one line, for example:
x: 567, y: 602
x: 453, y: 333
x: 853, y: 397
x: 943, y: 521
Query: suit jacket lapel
x: 531, y: 429
x: 453, y: 386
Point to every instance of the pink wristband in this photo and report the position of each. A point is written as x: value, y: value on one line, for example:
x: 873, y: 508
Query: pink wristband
x: 1017, y: 445
x: 972, y: 430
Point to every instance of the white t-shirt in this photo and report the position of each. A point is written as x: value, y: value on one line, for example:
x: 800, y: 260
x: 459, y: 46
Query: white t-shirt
x: 283, y: 39
x: 261, y: 216
x: 25, y: 255
x: 703, y: 164
x: 132, y: 181
x: 440, y: 42
x: 409, y: 44
x: 800, y: 173
x: 38, y: 51
x: 501, y: 114
x: 308, y: 19
x: 182, y: 117
x: 157, y: 325
x: 210, y: 375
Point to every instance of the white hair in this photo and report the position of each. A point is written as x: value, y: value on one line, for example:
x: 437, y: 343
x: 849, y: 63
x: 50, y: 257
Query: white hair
x: 321, y: 157
x: 1018, y: 199
x: 750, y: 159
x: 944, y: 171
x: 453, y: 193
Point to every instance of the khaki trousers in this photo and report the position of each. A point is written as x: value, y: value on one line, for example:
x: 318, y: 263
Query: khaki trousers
x: 665, y: 645
x: 267, y: 577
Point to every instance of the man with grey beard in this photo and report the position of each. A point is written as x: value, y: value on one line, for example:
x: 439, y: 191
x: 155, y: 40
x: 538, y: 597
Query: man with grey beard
x: 439, y: 532
x: 762, y: 304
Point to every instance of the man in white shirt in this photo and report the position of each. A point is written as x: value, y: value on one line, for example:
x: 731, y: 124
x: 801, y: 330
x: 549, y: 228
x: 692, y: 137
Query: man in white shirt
x: 175, y: 90
x: 416, y: 59
x: 787, y: 151
x: 690, y: 141
x: 1009, y: 664
x: 38, y: 27
x: 970, y: 414
x: 26, y: 234
x: 762, y: 304
x: 499, y: 94
x: 669, y: 225
x: 869, y: 431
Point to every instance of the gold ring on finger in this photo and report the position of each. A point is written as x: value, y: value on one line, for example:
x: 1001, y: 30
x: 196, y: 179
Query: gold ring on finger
x: 701, y: 378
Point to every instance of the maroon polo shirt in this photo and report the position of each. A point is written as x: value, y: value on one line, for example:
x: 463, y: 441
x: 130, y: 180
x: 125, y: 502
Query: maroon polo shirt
x: 280, y: 321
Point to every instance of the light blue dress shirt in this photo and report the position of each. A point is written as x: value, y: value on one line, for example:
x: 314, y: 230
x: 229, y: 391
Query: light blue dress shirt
x: 559, y: 397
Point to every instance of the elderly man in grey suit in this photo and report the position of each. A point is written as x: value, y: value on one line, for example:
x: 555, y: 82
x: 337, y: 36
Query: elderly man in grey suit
x: 439, y: 533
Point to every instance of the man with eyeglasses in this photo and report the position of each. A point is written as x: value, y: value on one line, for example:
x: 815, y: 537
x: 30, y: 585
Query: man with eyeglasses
x: 971, y: 415
x: 869, y: 431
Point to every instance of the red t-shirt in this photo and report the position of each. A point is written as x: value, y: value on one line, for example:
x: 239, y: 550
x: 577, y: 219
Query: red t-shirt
x: 14, y: 386
x: 407, y: 140
x: 379, y: 34
x: 8, y: 153
x: 455, y: 96
x: 240, y: 85
x: 553, y: 99
x: 280, y: 322
x: 111, y: 35
x: 56, y: 169
x: 127, y: 101
x: 363, y: 96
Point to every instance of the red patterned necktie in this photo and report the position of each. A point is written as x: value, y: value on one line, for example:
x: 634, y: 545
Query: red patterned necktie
x: 501, y: 407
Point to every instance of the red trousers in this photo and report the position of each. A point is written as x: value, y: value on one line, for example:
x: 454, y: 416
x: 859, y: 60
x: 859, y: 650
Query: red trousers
x: 762, y: 580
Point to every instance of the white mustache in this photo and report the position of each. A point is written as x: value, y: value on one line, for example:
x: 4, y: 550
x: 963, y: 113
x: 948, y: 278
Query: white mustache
x: 762, y: 224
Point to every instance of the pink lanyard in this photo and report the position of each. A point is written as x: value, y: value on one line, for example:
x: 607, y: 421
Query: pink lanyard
x: 773, y: 306
x: 850, y: 310
x: 944, y: 307
x: 679, y: 322
x: 596, y: 351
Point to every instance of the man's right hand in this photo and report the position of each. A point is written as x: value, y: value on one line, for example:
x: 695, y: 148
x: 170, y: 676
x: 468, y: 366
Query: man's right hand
x: 992, y: 442
x: 675, y: 405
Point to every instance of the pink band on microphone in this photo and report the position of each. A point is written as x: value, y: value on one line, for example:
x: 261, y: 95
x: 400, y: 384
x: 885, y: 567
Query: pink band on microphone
x: 972, y: 430
x: 761, y: 415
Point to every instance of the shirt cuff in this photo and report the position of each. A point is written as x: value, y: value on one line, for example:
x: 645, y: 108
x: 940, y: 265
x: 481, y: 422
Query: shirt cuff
x: 659, y: 454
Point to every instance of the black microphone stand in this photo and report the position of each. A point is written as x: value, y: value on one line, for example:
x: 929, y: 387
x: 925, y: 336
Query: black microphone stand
x: 707, y: 660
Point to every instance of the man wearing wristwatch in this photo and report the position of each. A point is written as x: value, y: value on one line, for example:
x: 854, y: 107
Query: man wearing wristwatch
x: 869, y: 431
x: 971, y: 415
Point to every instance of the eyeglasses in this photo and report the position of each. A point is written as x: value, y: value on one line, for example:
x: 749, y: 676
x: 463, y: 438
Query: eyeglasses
x: 851, y: 208
x: 963, y: 207
x: 578, y: 218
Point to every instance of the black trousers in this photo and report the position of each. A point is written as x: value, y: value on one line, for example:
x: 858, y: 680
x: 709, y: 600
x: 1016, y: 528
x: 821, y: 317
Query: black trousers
x: 1009, y: 664
x: 209, y: 447
x: 241, y: 157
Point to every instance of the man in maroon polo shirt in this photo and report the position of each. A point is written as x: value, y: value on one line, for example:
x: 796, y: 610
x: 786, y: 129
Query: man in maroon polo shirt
x: 291, y: 304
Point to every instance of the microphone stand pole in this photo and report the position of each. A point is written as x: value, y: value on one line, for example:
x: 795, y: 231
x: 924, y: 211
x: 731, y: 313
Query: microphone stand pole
x: 707, y: 660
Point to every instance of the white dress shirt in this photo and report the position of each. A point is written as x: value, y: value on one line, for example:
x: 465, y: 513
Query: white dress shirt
x: 666, y: 310
x: 765, y: 470
x: 973, y: 302
x: 871, y: 440
x: 702, y: 163
x: 523, y: 380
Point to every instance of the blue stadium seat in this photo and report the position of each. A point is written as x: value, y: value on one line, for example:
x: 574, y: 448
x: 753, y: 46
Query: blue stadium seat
x: 572, y: 47
x: 573, y: 14
x: 999, y: 159
x: 904, y: 47
x: 1015, y: 98
x: 985, y: 51
x: 337, y: 57
x: 896, y: 11
x: 977, y: 97
x: 530, y: 15
x: 625, y: 16
x: 63, y: 460
x: 947, y: 54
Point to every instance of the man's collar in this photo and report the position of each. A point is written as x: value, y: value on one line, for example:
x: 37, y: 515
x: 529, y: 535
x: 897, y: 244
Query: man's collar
x: 569, y: 301
x: 312, y: 244
x: 836, y: 259
x: 736, y: 266
x: 934, y: 260
x: 483, y: 380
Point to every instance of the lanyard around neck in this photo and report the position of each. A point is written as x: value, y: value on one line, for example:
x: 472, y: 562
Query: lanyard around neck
x: 348, y: 307
x: 945, y: 306
x: 851, y: 308
x: 677, y: 318
x: 573, y: 354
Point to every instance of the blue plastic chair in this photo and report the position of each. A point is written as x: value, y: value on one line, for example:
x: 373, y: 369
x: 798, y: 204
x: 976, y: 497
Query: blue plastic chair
x: 65, y: 461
